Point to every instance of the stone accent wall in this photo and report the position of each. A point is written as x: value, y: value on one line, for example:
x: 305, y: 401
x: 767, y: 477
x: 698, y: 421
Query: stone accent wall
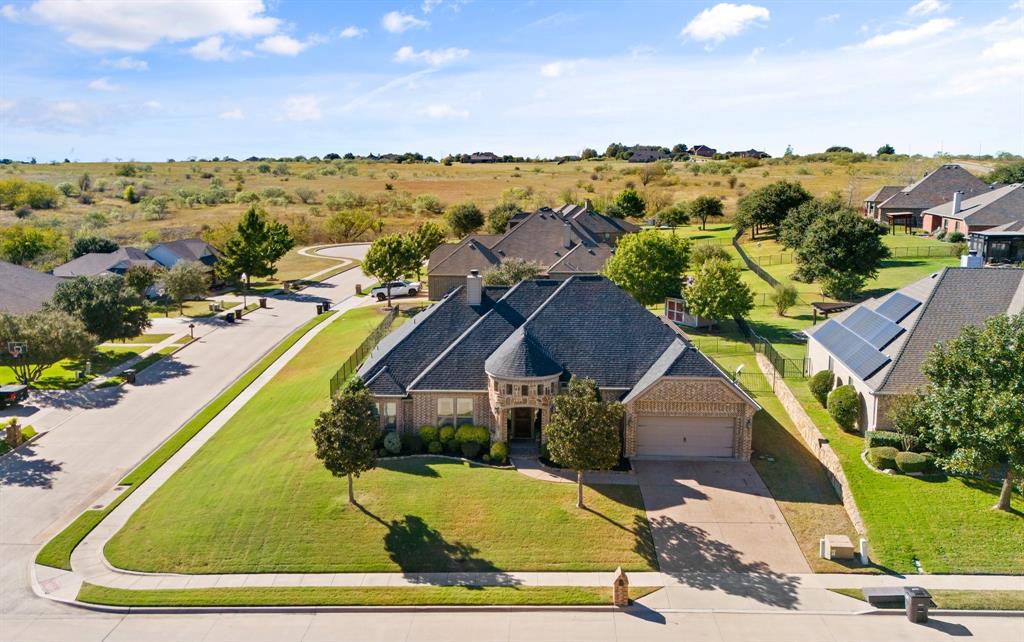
x: 815, y: 441
x: 689, y: 397
x: 501, y: 402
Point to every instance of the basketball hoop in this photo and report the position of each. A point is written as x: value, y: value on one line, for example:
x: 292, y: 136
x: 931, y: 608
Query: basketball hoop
x: 17, y: 349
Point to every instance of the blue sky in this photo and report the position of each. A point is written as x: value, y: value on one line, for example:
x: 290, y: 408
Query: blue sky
x: 153, y: 80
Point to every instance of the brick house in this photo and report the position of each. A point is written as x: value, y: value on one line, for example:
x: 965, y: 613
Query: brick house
x: 995, y: 207
x: 498, y: 356
x: 573, y: 239
x: 703, y: 151
x: 934, y: 188
x: 879, y: 345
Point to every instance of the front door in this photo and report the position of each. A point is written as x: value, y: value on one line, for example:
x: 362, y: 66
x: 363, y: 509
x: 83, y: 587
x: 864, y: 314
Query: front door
x: 523, y: 423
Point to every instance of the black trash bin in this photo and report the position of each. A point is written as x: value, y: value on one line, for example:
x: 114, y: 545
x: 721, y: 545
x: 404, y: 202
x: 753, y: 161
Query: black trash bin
x: 230, y: 317
x: 263, y: 301
x: 327, y: 306
x: 129, y: 375
x: 917, y: 601
x: 319, y: 308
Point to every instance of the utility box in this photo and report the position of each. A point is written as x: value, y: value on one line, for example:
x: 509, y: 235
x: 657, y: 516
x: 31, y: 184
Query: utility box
x: 620, y: 589
x: 838, y: 547
x: 917, y: 601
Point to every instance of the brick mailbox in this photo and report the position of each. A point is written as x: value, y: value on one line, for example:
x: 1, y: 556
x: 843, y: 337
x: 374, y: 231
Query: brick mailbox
x: 620, y: 588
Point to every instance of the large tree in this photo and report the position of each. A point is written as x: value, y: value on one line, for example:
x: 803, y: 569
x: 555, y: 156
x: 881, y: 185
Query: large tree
x: 800, y: 218
x: 1009, y: 173
x: 464, y: 218
x: 974, y: 402
x: 348, y: 225
x: 511, y: 271
x: 49, y: 336
x: 841, y: 251
x: 629, y: 203
x: 22, y: 244
x: 583, y: 433
x: 255, y: 248
x: 141, y: 277
x: 705, y: 207
x: 346, y: 433
x: 649, y: 265
x: 767, y: 207
x: 105, y: 304
x: 427, y: 238
x: 88, y: 244
x: 389, y: 257
x: 718, y: 291
x: 186, y: 280
x: 500, y: 215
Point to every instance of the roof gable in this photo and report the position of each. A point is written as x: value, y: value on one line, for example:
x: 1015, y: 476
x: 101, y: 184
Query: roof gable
x: 935, y: 188
x: 24, y: 290
x: 995, y: 207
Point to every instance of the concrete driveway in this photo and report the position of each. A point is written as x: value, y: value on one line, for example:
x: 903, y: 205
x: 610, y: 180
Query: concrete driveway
x: 715, y: 517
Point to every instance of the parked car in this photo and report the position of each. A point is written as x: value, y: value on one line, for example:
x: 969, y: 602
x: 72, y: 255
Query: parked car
x: 398, y: 288
x: 12, y: 395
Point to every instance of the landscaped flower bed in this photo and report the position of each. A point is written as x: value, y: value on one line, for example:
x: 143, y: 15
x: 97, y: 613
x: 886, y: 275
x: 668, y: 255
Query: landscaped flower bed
x: 467, y: 442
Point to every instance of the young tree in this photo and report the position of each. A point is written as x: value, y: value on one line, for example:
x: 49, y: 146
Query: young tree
x: 186, y: 280
x: 706, y: 251
x: 674, y: 215
x: 784, y: 297
x: 346, y: 226
x: 88, y: 244
x: 464, y: 218
x: 108, y: 308
x: 427, y: 237
x: 705, y: 207
x: 389, y: 257
x: 975, y: 402
x: 50, y: 335
x: 629, y: 204
x: 800, y: 218
x: 345, y: 434
x: 255, y: 248
x: 767, y: 206
x: 718, y: 291
x: 841, y: 250
x: 499, y: 216
x: 22, y: 244
x: 140, y: 278
x: 583, y: 433
x: 511, y: 271
x: 649, y: 265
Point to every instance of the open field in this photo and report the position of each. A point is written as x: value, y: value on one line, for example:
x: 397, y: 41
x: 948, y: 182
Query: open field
x: 254, y: 499
x: 532, y: 184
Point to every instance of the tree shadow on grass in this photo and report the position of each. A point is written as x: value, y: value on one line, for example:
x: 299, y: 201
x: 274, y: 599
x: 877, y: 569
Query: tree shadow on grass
x: 416, y: 466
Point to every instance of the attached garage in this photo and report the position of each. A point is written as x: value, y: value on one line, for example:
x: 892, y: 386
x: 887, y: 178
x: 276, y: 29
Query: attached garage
x: 671, y: 436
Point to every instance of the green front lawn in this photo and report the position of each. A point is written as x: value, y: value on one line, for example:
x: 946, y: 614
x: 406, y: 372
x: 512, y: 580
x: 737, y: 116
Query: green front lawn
x: 61, y: 375
x: 195, y: 309
x: 962, y: 600
x: 360, y: 596
x: 149, y: 338
x: 254, y: 499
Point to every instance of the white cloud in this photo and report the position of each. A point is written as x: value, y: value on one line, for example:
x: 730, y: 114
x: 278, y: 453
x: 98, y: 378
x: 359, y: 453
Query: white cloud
x: 724, y: 20
x: 283, y: 45
x: 429, y: 5
x: 232, y: 114
x: 445, y: 111
x: 831, y: 18
x: 397, y: 22
x: 57, y: 116
x: 137, y: 26
x: 153, y: 105
x: 300, y: 108
x: 127, y: 64
x: 103, y: 84
x: 10, y: 12
x: 558, y: 68
x: 351, y: 32
x: 1006, y: 50
x: 755, y: 54
x: 927, y: 7
x: 213, y: 48
x: 1018, y: 5
x: 432, y: 57
x: 902, y: 37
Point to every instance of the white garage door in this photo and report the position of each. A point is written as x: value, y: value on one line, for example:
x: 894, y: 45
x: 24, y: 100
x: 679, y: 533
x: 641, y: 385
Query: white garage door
x: 664, y: 436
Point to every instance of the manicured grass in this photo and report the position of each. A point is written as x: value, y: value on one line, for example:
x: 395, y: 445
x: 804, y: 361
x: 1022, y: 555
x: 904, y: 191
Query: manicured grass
x: 183, y: 340
x: 149, y: 338
x: 360, y: 596
x: 254, y: 499
x: 144, y: 363
x: 57, y: 552
x: 194, y: 309
x: 294, y: 266
x: 962, y: 600
x: 61, y: 375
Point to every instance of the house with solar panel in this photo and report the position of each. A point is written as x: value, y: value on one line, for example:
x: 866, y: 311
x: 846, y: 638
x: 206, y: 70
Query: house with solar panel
x: 879, y: 345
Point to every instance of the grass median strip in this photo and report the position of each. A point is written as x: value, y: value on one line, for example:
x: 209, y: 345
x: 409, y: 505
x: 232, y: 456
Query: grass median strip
x: 961, y: 600
x: 359, y: 596
x: 57, y: 552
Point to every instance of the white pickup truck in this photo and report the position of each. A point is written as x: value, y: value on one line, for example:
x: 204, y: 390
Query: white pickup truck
x: 398, y: 288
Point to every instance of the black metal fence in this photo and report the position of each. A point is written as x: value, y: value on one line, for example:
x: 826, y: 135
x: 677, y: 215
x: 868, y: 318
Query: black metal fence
x: 787, y: 367
x: 752, y: 265
x: 348, y: 368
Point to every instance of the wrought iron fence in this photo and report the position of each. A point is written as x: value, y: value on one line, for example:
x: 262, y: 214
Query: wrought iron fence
x: 787, y: 367
x: 348, y: 368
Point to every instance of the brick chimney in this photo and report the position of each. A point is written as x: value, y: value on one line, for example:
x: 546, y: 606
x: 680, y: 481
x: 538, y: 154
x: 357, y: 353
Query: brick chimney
x: 474, y: 287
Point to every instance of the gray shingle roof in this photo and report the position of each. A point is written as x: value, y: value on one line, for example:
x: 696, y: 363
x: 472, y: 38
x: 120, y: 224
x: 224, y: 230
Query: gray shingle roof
x: 883, y: 193
x: 521, y: 356
x: 23, y: 290
x: 95, y: 263
x: 1015, y: 228
x: 998, y: 206
x: 936, y: 188
x: 194, y: 249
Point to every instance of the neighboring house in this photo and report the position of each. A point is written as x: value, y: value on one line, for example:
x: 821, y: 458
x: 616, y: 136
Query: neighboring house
x: 483, y: 157
x: 881, y: 195
x: 750, y: 153
x: 703, y: 151
x: 23, y: 290
x: 878, y: 346
x: 998, y: 206
x: 95, y: 263
x: 498, y: 357
x: 1001, y: 244
x: 571, y: 240
x: 648, y: 153
x: 194, y: 249
x: 933, y: 189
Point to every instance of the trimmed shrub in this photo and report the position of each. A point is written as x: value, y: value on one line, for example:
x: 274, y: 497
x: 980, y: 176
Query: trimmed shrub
x: 911, y: 462
x: 929, y: 463
x: 955, y: 237
x: 446, y: 434
x: 499, y: 451
x: 877, y: 438
x: 844, y: 406
x: 941, y: 234
x: 412, y: 444
x: 883, y: 457
x: 383, y: 452
x: 453, y: 447
x: 479, y: 434
x: 434, y: 448
x: 820, y: 385
x: 428, y: 433
x: 471, y: 449
x: 393, y: 443
x: 486, y: 458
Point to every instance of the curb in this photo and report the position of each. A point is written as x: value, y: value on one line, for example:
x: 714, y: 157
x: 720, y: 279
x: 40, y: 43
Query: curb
x: 24, y: 443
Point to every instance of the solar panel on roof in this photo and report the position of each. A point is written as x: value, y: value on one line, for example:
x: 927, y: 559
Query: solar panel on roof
x: 872, y: 327
x: 854, y: 352
x: 897, y: 307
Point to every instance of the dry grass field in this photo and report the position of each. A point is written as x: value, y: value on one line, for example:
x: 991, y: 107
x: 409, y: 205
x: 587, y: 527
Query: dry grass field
x: 391, y: 189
